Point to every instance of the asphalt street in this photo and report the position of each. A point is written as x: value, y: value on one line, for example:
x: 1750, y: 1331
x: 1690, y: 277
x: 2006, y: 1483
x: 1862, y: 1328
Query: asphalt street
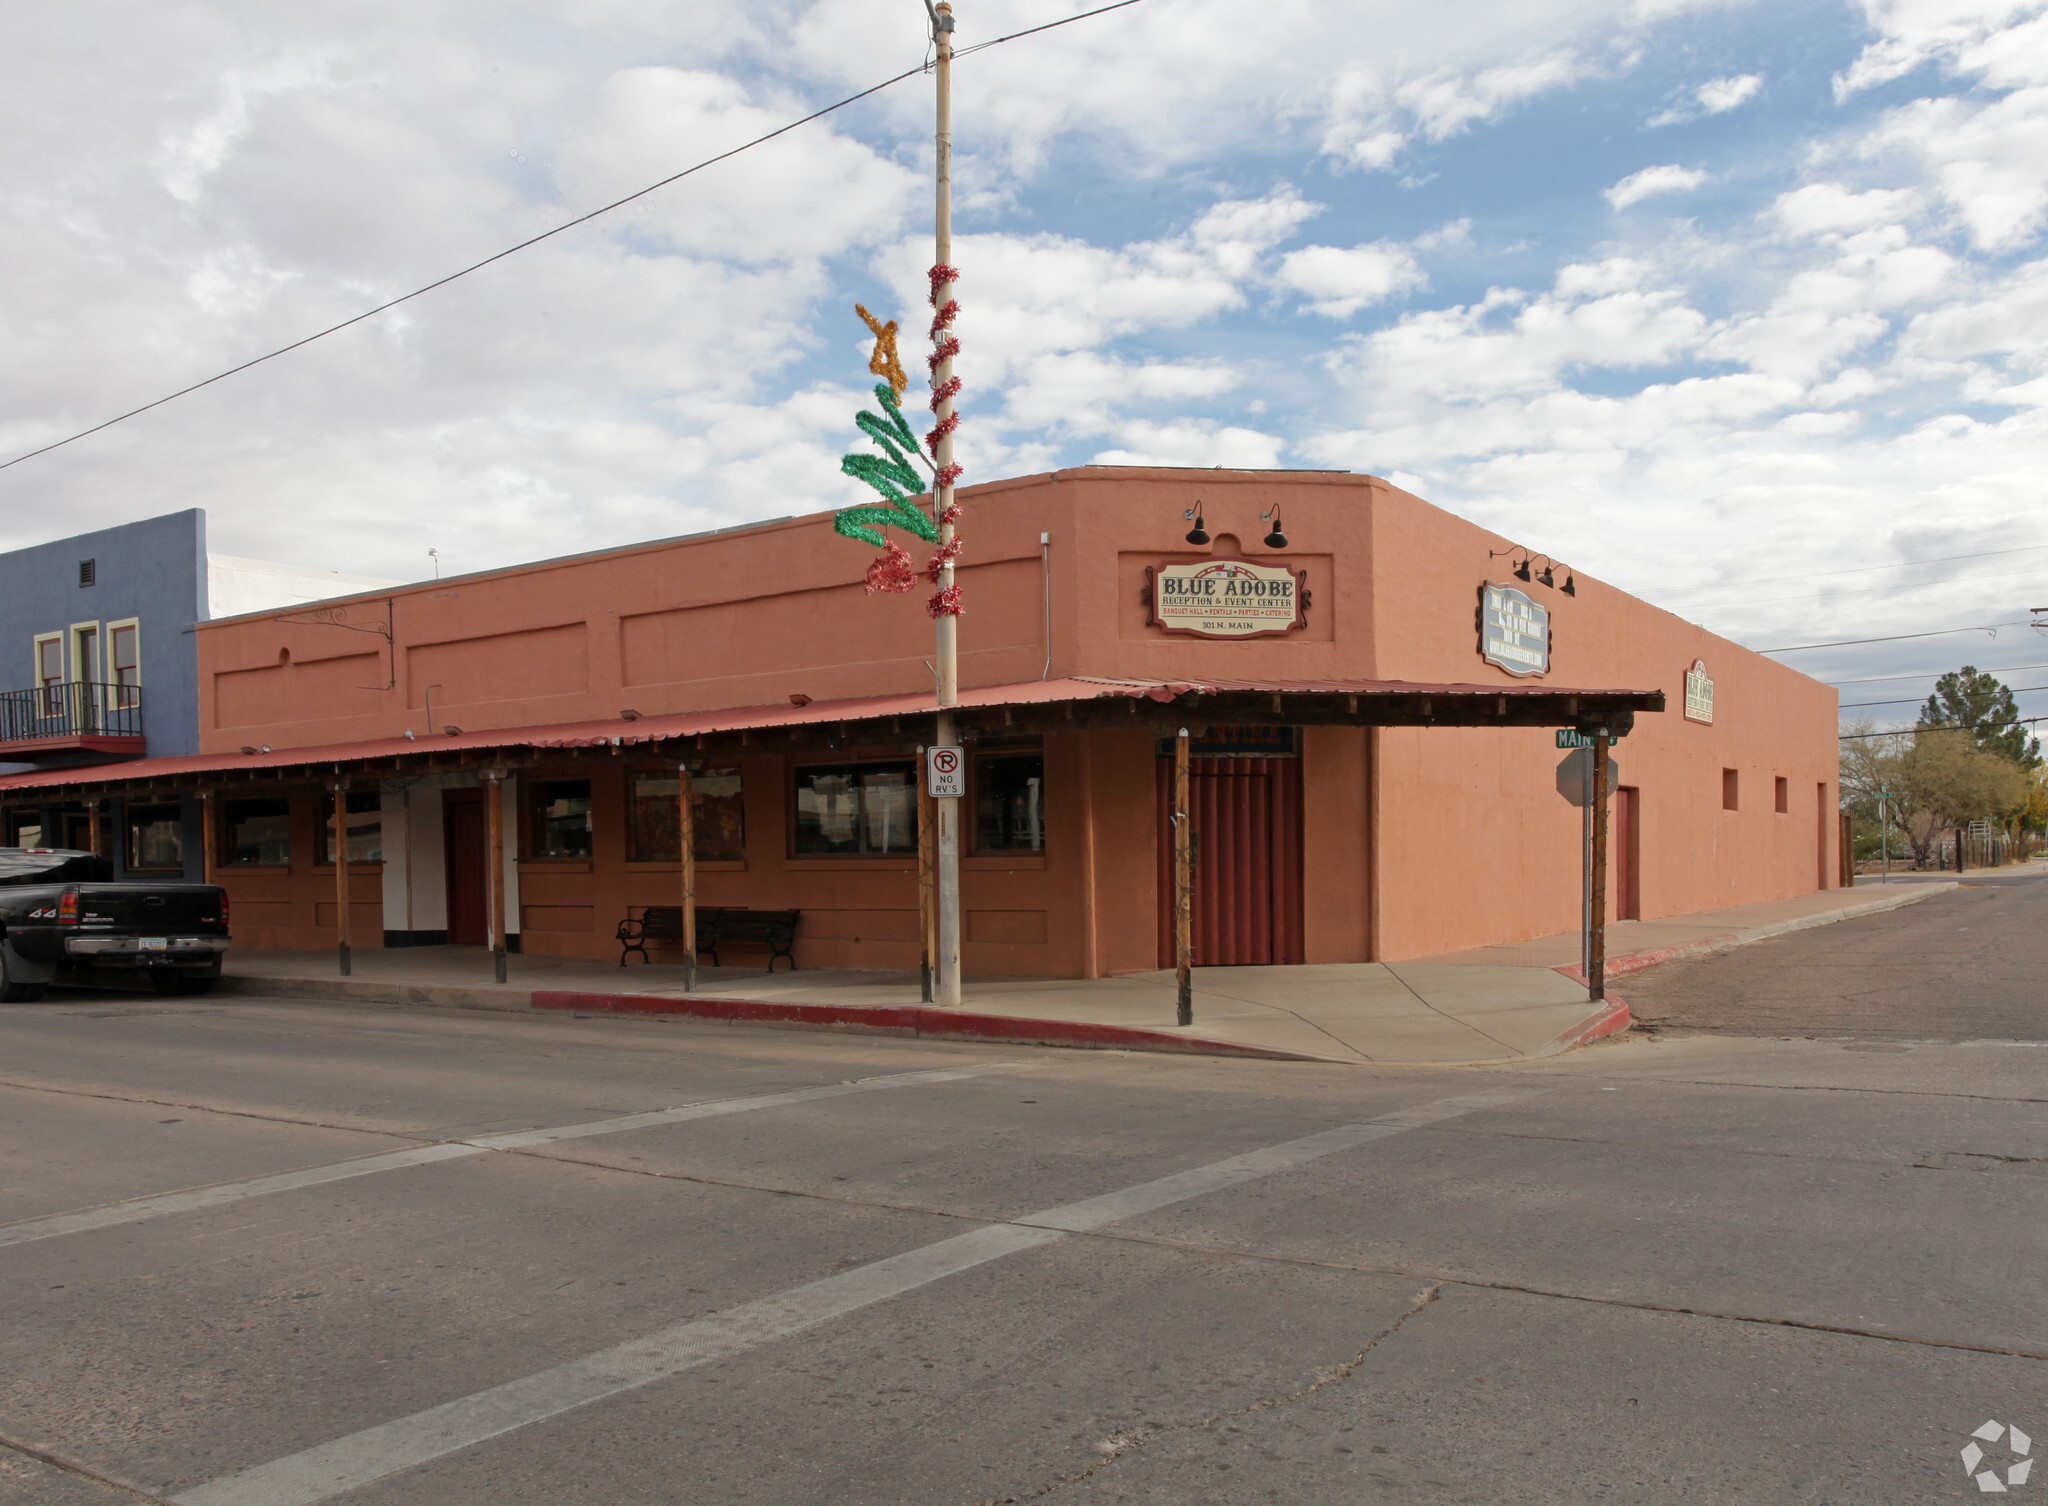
x: 1963, y: 966
x: 266, y: 1252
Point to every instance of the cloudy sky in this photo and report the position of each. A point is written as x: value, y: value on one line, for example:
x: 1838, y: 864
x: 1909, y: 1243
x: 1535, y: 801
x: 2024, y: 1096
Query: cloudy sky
x: 1738, y: 305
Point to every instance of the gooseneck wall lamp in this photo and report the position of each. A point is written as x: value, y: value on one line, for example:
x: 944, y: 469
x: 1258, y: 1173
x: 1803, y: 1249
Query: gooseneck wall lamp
x: 1276, y: 539
x: 1547, y: 576
x: 1198, y: 534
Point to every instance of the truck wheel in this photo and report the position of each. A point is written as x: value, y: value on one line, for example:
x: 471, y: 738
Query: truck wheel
x: 12, y: 992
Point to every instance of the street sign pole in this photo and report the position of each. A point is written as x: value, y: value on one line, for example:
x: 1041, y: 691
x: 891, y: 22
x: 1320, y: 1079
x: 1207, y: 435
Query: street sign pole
x: 947, y: 962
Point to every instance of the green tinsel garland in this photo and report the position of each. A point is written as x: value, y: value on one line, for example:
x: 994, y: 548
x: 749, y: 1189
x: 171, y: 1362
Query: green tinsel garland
x: 895, y: 477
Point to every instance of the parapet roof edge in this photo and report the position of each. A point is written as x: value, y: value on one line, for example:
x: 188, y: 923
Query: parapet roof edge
x: 1001, y: 484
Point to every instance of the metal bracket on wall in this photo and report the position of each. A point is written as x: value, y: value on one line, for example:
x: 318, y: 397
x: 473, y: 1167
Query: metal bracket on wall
x: 338, y: 617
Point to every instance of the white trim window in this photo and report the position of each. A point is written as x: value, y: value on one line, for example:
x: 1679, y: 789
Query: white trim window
x: 124, y: 663
x: 50, y: 674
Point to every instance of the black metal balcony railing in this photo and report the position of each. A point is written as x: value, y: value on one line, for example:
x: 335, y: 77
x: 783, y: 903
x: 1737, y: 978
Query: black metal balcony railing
x: 76, y: 708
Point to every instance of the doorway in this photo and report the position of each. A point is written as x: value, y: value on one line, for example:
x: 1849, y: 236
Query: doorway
x: 1246, y: 818
x: 466, y: 830
x: 1628, y: 899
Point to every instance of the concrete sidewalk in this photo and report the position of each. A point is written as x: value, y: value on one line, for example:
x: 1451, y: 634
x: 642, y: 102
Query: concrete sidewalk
x: 1493, y: 1004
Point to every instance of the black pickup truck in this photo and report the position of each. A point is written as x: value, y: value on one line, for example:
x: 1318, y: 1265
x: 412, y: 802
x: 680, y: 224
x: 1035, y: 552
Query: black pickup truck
x: 63, y: 919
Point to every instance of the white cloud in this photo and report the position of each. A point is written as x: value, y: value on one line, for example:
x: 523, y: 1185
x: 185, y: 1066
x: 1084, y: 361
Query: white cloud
x: 1337, y: 281
x: 1192, y: 443
x: 1823, y: 208
x: 1715, y: 97
x: 1669, y: 178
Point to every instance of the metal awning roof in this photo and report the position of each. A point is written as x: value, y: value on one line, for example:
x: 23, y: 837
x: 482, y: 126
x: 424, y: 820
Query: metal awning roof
x: 1032, y: 706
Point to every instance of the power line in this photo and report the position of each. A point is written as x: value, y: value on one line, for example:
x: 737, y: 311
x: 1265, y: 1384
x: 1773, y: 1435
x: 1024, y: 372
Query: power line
x: 2025, y: 721
x: 1918, y: 585
x: 1767, y: 580
x: 1917, y: 700
x: 1894, y: 638
x: 442, y: 282
x: 1934, y: 674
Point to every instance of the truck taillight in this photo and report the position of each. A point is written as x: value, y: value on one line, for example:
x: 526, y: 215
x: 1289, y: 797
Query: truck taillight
x: 223, y: 909
x: 67, y: 908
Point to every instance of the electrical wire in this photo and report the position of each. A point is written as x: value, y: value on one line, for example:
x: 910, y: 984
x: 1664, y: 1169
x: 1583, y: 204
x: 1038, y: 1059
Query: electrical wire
x: 1915, y: 700
x: 1894, y: 638
x: 1768, y: 580
x: 1919, y: 585
x: 2024, y: 721
x: 582, y: 219
x: 1933, y: 674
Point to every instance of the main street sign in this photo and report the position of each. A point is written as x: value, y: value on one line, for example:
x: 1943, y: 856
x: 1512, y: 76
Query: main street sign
x: 1226, y: 598
x: 1514, y: 630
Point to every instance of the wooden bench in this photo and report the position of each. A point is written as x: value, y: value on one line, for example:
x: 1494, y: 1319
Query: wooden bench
x: 716, y: 926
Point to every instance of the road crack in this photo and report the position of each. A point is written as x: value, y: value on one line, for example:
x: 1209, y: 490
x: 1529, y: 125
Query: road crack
x: 1127, y: 1441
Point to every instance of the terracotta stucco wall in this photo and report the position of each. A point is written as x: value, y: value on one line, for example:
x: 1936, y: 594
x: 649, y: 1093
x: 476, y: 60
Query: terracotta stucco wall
x: 1473, y: 844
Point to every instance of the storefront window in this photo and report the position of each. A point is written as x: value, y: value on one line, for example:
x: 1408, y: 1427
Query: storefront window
x: 1009, y: 802
x: 258, y: 831
x: 365, y: 820
x: 561, y: 818
x: 156, y: 837
x: 857, y: 809
x: 720, y: 817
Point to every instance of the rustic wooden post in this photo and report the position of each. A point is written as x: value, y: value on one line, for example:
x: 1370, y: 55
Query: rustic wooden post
x: 92, y: 826
x: 340, y: 788
x: 686, y: 817
x: 494, y: 785
x: 209, y: 837
x: 927, y: 893
x: 1183, y: 888
x: 1596, y: 948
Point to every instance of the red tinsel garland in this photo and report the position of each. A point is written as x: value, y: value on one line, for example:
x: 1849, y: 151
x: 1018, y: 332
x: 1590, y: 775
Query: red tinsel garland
x: 948, y: 388
x: 939, y: 431
x: 948, y: 475
x: 947, y: 554
x: 946, y: 603
x: 951, y: 513
x: 892, y: 570
x: 940, y: 276
x: 947, y: 349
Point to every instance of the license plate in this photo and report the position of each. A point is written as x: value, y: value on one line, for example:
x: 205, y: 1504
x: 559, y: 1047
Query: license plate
x: 152, y: 943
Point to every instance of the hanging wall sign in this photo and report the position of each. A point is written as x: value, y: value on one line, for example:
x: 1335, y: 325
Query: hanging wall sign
x: 1514, y: 630
x: 1227, y: 598
x: 1699, y: 694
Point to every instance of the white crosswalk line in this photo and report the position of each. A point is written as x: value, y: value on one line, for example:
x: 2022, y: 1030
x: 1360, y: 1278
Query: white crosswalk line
x: 160, y: 1205
x: 356, y: 1460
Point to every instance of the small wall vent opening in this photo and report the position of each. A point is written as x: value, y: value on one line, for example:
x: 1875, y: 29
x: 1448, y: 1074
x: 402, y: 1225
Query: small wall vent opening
x: 1731, y: 790
x: 88, y: 572
x: 1784, y: 795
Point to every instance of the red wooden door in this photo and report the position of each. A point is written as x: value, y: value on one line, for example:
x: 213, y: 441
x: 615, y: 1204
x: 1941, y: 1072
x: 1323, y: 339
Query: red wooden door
x: 1627, y: 854
x: 465, y: 829
x: 1246, y: 816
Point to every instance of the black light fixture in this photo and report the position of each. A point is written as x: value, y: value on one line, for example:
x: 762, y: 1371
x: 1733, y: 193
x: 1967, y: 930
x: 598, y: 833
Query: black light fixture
x: 1198, y: 534
x: 1522, y: 569
x: 1545, y: 577
x: 1276, y: 539
x: 1568, y: 588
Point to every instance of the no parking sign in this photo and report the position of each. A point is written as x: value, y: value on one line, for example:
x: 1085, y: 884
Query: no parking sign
x: 946, y: 774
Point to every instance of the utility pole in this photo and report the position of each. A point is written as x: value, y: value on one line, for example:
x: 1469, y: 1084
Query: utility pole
x: 948, y: 661
x: 1596, y: 947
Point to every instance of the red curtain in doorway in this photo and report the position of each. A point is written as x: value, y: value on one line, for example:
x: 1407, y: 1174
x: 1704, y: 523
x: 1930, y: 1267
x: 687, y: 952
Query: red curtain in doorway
x: 1246, y: 814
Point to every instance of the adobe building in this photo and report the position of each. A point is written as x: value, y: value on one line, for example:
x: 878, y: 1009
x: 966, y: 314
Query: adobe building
x: 1375, y: 692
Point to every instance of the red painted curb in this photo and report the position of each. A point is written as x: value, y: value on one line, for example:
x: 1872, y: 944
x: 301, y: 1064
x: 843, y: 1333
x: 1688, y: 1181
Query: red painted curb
x: 916, y: 1020
x: 1635, y: 962
x: 1611, y: 1020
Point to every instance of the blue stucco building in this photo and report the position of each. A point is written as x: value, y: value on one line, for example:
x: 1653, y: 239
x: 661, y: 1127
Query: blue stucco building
x: 101, y: 630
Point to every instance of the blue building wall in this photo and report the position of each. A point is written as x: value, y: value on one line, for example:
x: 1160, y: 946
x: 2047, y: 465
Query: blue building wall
x: 153, y: 571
